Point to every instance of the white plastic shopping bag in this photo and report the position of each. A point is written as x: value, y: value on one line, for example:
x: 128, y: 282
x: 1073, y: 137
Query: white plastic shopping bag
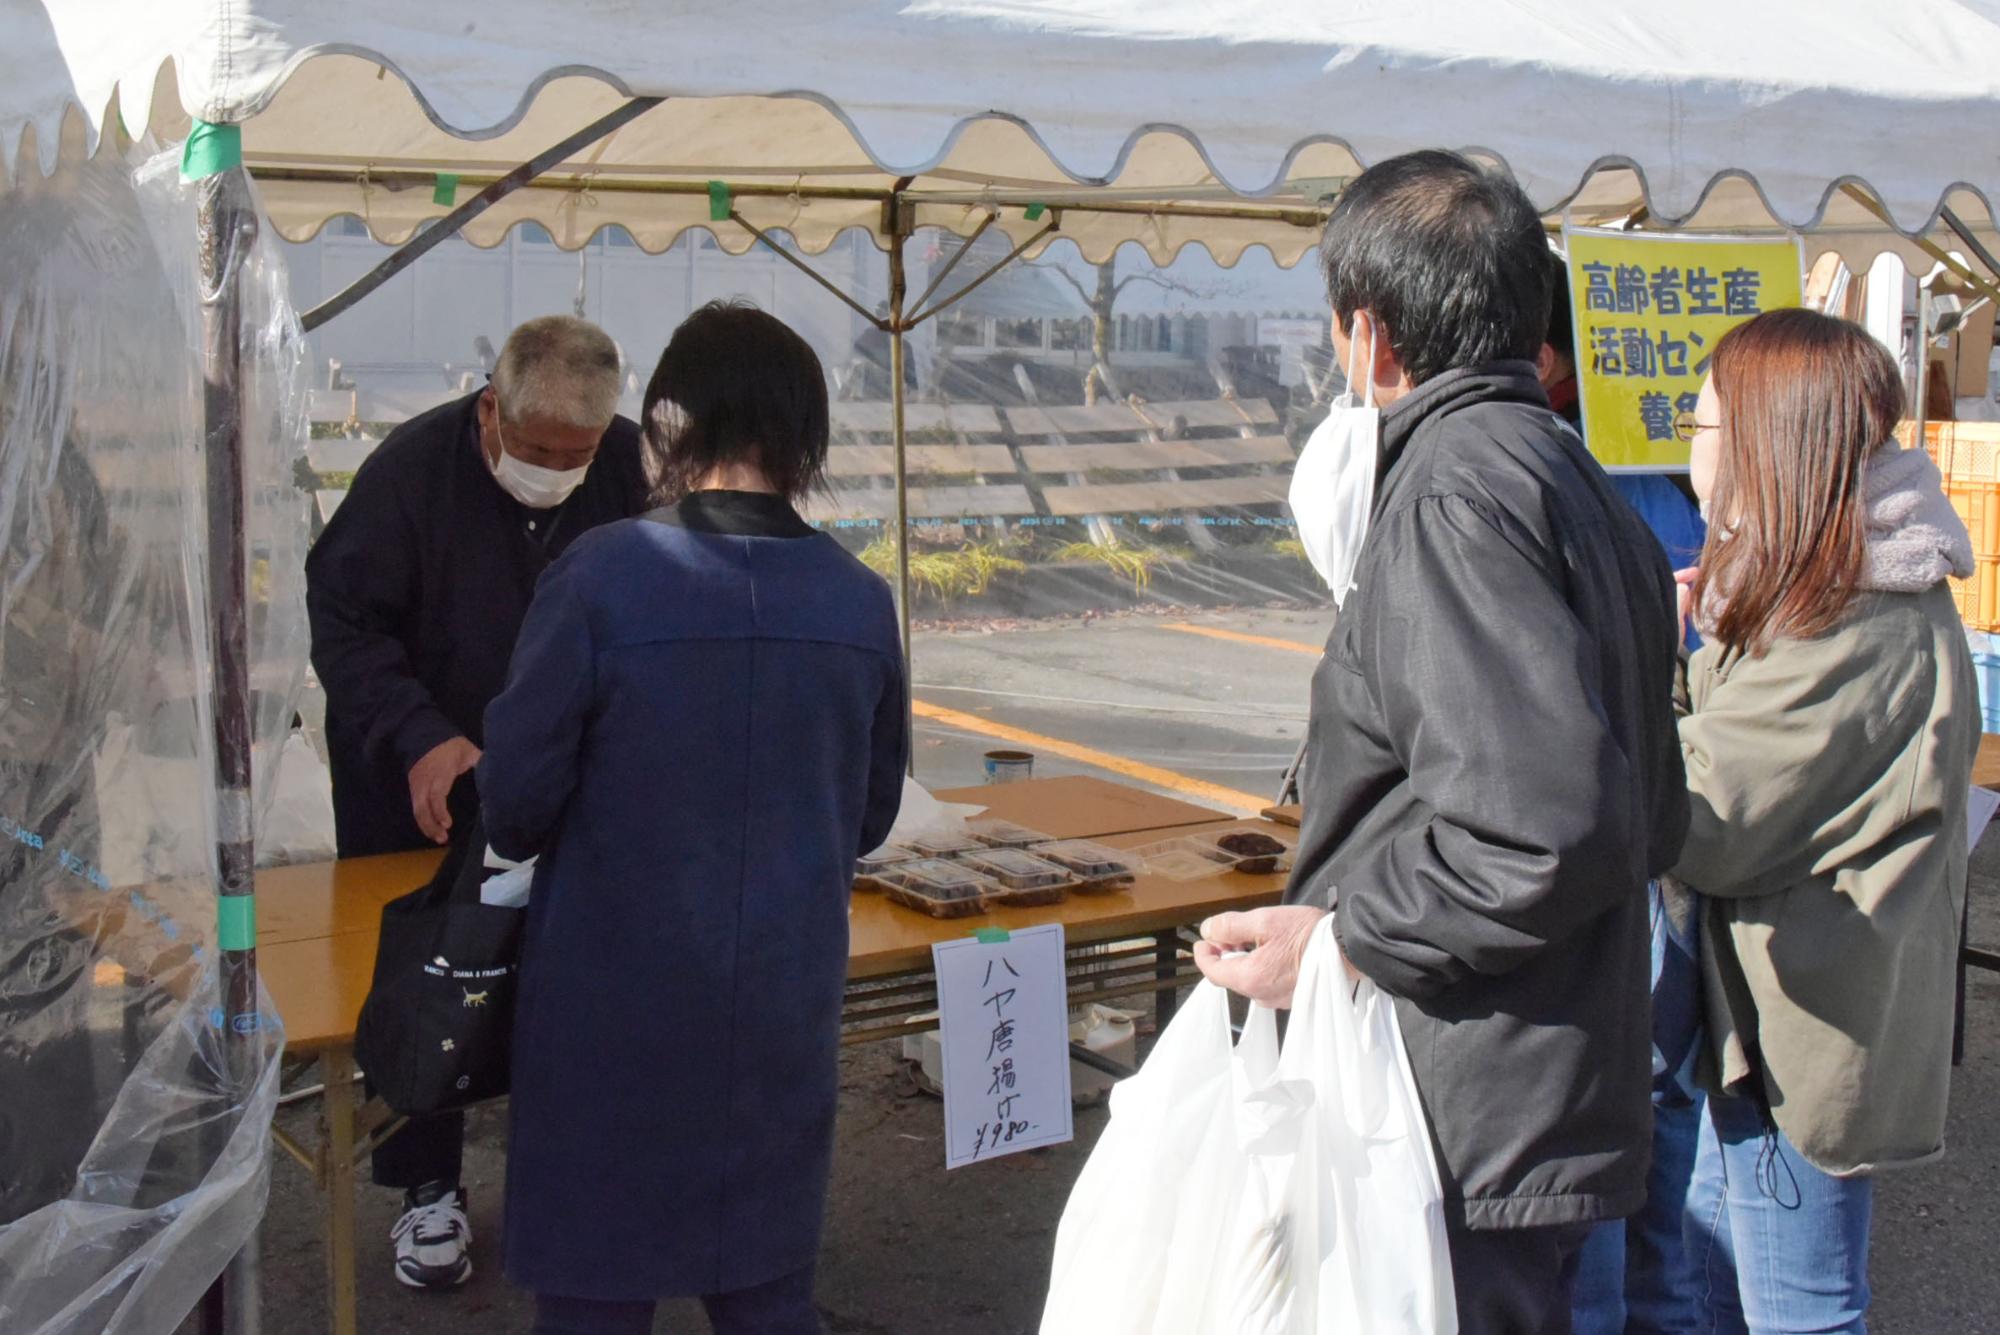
x: 1372, y: 1194
x: 298, y: 823
x: 1137, y: 1246
x: 1261, y: 1192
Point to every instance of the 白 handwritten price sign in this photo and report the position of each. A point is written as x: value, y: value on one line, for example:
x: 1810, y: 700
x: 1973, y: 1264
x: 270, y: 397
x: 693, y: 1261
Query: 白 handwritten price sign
x: 1650, y: 308
x: 1003, y: 1025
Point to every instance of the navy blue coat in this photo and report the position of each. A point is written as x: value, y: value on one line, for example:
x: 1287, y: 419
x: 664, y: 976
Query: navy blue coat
x: 703, y: 726
x: 416, y: 591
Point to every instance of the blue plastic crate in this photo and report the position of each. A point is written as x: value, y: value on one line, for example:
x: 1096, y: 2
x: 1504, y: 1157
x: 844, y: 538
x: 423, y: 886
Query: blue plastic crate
x: 1986, y: 666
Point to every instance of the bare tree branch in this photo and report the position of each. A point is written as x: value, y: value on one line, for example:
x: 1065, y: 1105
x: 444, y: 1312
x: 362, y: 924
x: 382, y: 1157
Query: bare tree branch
x: 1170, y: 284
x: 1083, y: 293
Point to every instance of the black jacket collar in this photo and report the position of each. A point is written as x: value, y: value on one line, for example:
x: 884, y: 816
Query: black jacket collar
x: 1493, y: 382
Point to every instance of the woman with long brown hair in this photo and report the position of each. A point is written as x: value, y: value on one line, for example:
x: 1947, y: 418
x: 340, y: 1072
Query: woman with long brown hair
x: 1831, y: 724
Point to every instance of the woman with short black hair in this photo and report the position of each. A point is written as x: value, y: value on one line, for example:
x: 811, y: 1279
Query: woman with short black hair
x: 704, y: 725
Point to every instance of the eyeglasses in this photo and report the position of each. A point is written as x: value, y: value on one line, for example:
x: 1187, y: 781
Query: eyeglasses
x: 1686, y: 428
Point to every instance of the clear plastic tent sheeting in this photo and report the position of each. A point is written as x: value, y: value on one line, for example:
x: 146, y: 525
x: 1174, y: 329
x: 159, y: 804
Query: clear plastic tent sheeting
x: 1114, y: 585
x: 134, y: 1123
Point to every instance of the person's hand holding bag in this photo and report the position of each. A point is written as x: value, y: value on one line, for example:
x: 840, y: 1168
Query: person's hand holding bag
x: 1257, y: 954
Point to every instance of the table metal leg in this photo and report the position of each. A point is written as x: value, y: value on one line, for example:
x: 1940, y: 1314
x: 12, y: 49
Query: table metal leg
x: 1167, y: 954
x: 337, y: 1180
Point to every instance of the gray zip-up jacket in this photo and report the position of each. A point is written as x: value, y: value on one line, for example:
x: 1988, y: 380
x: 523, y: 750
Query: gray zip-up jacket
x: 1493, y: 775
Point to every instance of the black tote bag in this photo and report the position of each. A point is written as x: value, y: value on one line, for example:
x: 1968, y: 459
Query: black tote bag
x: 437, y: 1030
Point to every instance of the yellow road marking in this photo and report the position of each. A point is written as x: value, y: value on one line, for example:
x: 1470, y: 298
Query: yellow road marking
x: 1184, y: 784
x: 1238, y: 637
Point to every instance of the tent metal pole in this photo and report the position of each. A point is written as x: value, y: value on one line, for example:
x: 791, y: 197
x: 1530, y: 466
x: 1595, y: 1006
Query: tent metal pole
x: 449, y: 225
x: 227, y: 227
x: 1055, y: 221
x: 1931, y: 248
x: 609, y: 179
x: 1920, y: 414
x: 898, y: 355
x: 1972, y: 243
x: 937, y: 279
x: 764, y: 239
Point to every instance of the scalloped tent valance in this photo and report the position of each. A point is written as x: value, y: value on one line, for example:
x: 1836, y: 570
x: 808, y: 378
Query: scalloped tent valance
x: 1221, y: 123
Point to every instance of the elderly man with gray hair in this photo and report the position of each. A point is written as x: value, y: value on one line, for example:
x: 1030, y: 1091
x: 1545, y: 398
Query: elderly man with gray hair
x: 416, y: 593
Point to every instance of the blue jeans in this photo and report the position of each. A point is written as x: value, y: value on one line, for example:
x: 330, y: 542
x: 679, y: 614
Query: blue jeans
x: 1634, y: 1277
x: 1777, y: 1245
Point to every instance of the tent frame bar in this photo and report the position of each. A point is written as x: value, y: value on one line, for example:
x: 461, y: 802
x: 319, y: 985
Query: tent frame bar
x: 937, y: 279
x: 452, y: 223
x: 764, y: 239
x: 1972, y: 243
x: 1054, y: 224
x: 598, y: 182
x: 1957, y: 267
x: 411, y: 178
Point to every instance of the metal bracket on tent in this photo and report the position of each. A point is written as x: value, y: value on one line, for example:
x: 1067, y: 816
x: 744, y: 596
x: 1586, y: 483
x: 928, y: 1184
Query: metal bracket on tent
x: 450, y: 225
x: 899, y: 213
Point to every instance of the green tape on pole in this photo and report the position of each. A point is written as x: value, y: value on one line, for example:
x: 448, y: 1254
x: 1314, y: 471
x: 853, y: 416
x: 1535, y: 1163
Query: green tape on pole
x: 1035, y: 212
x: 445, y: 192
x: 718, y: 201
x: 211, y: 149
x: 236, y: 922
x: 993, y: 936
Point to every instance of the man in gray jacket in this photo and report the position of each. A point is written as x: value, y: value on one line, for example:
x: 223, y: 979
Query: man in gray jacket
x: 1493, y: 773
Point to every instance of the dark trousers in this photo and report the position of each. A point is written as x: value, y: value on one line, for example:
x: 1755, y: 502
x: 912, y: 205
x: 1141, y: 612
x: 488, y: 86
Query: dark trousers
x: 784, y: 1306
x: 427, y: 1149
x: 1515, y: 1281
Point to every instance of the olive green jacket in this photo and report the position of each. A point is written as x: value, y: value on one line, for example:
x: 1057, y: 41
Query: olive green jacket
x: 1828, y: 781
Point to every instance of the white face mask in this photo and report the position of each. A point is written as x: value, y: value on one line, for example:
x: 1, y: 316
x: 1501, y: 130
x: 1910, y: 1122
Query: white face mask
x: 1333, y: 485
x: 536, y: 487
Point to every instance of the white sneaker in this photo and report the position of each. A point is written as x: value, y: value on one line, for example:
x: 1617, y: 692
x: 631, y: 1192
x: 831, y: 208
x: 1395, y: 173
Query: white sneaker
x: 433, y: 1239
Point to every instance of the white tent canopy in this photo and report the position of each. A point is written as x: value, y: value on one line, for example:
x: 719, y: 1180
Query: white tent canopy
x: 1223, y: 122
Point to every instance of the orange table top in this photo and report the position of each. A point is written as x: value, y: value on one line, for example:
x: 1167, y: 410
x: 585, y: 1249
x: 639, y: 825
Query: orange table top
x: 317, y: 922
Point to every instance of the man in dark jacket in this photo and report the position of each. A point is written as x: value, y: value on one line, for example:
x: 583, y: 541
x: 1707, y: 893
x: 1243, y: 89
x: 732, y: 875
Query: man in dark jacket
x: 1493, y: 770
x: 416, y: 592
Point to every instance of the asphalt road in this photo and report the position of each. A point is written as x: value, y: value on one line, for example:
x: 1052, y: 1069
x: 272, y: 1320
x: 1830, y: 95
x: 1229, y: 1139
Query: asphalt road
x: 1188, y: 704
x: 914, y: 1250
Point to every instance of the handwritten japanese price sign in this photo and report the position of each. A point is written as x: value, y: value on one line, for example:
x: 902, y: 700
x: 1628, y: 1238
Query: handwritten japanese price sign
x: 1003, y: 1025
x: 1649, y: 311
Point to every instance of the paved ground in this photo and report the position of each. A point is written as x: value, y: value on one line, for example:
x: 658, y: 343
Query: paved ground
x: 1160, y: 690
x: 913, y: 1249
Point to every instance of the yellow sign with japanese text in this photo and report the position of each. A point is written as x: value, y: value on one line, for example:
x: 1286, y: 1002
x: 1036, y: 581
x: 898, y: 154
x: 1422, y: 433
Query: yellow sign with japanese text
x: 1649, y: 309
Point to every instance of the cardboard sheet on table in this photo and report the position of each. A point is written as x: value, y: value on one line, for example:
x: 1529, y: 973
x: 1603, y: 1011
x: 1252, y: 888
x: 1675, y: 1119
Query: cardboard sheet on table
x: 1079, y: 807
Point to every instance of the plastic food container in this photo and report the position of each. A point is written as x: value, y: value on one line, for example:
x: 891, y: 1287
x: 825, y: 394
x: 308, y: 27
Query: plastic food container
x: 1098, y: 870
x: 1252, y: 852
x: 941, y: 889
x: 1015, y: 870
x: 1022, y: 879
x: 943, y: 845
x: 1004, y: 834
x: 869, y: 867
x: 1184, y: 859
